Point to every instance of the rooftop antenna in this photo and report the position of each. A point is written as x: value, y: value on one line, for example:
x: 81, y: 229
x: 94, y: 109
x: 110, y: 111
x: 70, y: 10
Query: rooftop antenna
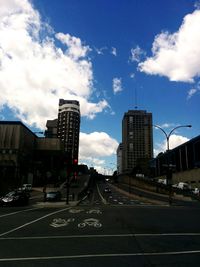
x: 136, y: 106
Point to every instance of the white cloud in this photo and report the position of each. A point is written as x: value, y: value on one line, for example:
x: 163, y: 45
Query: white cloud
x: 117, y: 85
x: 100, y: 51
x: 176, y: 55
x: 35, y: 72
x: 95, y: 148
x: 174, y: 141
x: 132, y: 75
x: 97, y: 144
x: 193, y: 90
x: 136, y: 54
x: 114, y: 51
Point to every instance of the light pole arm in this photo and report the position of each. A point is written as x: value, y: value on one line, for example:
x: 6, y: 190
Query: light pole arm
x: 167, y: 136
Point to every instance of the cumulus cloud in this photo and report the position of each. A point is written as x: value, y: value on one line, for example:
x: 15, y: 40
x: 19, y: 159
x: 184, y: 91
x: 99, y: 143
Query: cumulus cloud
x: 117, y: 85
x: 176, y: 55
x: 97, y: 144
x: 193, y: 91
x: 175, y: 140
x: 35, y: 71
x: 95, y: 147
x: 136, y: 54
x: 114, y: 51
x: 100, y: 51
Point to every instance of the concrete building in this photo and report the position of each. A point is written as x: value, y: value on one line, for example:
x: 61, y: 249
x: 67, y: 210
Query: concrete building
x: 27, y: 158
x: 119, y: 159
x: 52, y: 129
x: 137, y: 138
x: 184, y: 161
x: 17, y: 144
x: 69, y: 127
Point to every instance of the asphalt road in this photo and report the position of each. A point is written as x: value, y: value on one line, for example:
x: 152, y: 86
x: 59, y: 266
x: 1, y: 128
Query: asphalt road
x: 100, y: 235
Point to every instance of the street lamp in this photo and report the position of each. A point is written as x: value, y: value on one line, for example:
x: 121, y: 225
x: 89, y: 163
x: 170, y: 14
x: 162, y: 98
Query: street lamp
x: 167, y: 135
x: 170, y: 133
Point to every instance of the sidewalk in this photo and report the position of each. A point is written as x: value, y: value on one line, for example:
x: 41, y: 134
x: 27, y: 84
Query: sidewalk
x: 58, y: 204
x: 37, y: 193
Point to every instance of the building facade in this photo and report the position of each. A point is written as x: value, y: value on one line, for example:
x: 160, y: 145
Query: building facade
x: 184, y: 161
x: 52, y: 129
x: 119, y: 159
x: 25, y: 157
x: 137, y: 138
x: 68, y: 127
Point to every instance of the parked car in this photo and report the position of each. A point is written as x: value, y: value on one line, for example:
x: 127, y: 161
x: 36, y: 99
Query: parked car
x: 15, y: 198
x: 53, y: 196
x: 27, y: 187
x: 195, y: 191
x: 107, y: 190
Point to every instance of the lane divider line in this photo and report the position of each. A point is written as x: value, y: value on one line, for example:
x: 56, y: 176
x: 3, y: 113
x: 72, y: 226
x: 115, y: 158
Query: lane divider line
x: 31, y: 222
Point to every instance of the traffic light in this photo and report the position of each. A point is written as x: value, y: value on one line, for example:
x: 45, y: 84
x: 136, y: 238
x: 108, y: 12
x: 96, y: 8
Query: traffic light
x: 75, y: 161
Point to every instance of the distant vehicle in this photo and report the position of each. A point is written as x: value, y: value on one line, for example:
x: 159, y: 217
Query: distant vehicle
x: 27, y: 187
x: 162, y: 181
x: 15, y: 198
x: 195, y: 191
x: 53, y: 196
x: 181, y: 185
x: 107, y: 190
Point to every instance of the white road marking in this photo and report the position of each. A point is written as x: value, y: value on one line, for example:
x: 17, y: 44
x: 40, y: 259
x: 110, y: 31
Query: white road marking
x: 98, y: 236
x: 31, y: 222
x: 19, y: 211
x: 76, y: 210
x: 90, y: 222
x: 102, y: 198
x: 102, y: 255
x: 59, y: 222
x: 96, y: 211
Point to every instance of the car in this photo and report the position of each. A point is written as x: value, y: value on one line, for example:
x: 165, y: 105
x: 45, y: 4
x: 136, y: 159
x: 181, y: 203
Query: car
x: 27, y: 187
x: 107, y: 190
x: 195, y: 191
x: 53, y: 196
x: 15, y: 198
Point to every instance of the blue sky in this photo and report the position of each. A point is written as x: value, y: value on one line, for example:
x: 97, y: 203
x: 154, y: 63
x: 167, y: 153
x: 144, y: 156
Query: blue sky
x: 102, y: 53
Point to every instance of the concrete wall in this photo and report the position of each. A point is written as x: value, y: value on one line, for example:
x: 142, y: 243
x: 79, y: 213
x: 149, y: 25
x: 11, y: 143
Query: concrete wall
x: 48, y: 144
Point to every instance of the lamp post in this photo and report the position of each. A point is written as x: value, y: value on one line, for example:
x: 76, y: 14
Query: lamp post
x: 169, y: 173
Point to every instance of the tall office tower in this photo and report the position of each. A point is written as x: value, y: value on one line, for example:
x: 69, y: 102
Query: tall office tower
x: 119, y: 158
x: 137, y: 138
x: 69, y: 127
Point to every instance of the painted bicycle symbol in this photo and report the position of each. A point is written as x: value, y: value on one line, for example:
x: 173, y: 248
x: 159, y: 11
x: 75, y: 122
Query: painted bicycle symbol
x: 59, y: 222
x: 76, y: 210
x: 96, y: 211
x: 90, y: 222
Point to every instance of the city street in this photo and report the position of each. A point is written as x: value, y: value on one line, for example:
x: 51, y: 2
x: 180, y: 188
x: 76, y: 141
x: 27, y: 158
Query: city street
x: 100, y: 235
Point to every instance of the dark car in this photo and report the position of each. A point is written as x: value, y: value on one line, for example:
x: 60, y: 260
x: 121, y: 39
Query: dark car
x: 53, y: 196
x: 107, y: 190
x: 15, y: 198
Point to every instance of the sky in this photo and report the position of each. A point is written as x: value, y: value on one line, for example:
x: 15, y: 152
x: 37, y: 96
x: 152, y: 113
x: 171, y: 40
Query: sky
x: 111, y: 56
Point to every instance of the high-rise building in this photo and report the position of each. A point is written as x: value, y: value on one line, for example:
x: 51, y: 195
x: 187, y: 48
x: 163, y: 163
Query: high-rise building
x: 69, y: 126
x: 119, y: 158
x: 137, y: 138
